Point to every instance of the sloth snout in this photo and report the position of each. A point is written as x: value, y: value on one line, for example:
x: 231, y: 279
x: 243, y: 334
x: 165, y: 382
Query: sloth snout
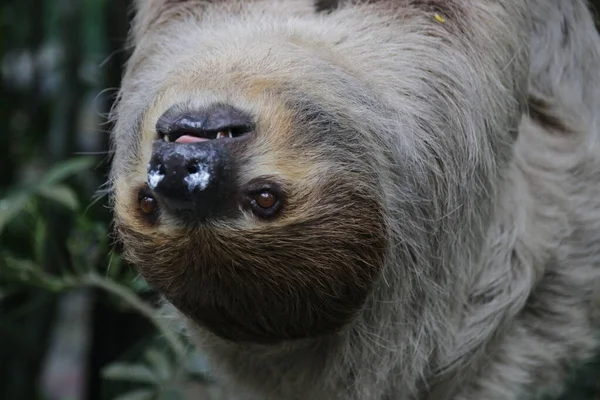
x: 189, y: 176
x: 192, y: 173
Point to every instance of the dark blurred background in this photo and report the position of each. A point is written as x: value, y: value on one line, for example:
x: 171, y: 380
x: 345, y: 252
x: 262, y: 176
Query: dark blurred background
x: 75, y: 320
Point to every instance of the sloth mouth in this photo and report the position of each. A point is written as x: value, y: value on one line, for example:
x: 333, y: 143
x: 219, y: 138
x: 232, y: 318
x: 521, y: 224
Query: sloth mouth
x: 202, y: 135
x: 217, y: 122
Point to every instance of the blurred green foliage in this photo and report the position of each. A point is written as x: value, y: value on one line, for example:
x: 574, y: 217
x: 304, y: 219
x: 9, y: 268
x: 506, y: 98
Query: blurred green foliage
x: 60, y: 64
x: 91, y: 263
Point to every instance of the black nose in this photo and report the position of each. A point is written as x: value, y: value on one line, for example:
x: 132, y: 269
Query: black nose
x: 191, y: 170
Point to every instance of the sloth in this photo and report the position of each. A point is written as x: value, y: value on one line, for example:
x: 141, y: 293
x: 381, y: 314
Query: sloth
x: 385, y: 199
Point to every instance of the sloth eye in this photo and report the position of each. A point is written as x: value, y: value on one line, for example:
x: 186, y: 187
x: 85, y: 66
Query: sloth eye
x: 265, y: 200
x: 148, y: 205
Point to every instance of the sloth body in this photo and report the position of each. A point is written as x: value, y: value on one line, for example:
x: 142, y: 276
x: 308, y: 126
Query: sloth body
x: 430, y: 173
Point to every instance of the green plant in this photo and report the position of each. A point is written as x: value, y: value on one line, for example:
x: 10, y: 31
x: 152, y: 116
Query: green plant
x: 90, y: 262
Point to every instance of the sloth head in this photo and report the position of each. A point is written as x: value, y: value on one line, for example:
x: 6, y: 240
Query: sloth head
x: 241, y: 195
x: 254, y: 162
x: 254, y: 221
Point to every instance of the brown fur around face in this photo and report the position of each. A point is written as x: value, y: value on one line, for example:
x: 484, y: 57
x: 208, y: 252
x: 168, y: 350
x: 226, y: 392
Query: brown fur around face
x: 300, y: 278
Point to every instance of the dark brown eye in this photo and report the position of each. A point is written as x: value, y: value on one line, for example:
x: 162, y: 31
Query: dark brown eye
x: 264, y: 197
x: 147, y: 205
x: 265, y: 200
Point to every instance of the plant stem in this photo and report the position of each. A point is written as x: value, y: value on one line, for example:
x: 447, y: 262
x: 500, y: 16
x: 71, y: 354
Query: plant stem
x: 135, y: 302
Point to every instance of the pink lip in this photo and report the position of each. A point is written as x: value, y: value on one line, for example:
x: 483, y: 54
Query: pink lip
x: 189, y: 139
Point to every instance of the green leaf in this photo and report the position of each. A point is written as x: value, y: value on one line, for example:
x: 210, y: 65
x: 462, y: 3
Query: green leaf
x: 115, y: 266
x: 66, y: 169
x: 141, y: 394
x: 16, y: 202
x: 33, y: 274
x: 160, y: 364
x: 39, y: 240
x: 129, y: 372
x: 140, y: 285
x: 11, y: 206
x: 172, y: 393
x: 60, y: 194
x: 197, y: 365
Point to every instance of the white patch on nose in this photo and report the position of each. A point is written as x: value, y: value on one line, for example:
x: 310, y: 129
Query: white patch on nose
x: 154, y: 178
x: 198, y: 180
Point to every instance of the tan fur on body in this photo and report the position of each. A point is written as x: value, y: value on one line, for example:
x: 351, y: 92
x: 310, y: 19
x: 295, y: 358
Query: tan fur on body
x: 442, y: 160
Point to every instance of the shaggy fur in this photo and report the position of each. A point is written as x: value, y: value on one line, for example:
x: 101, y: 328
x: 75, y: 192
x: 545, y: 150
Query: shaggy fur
x: 441, y: 158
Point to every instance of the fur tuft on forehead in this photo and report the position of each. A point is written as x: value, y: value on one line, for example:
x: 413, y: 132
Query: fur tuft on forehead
x: 152, y: 13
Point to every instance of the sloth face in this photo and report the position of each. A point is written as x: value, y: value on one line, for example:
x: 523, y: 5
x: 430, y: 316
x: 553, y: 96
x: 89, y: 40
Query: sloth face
x: 268, y: 166
x: 246, y: 199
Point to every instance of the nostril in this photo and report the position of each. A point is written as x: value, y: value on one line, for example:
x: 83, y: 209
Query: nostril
x: 218, y: 121
x: 193, y: 169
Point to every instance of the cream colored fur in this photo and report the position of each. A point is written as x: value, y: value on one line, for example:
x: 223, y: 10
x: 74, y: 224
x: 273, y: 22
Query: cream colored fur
x: 492, y: 280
